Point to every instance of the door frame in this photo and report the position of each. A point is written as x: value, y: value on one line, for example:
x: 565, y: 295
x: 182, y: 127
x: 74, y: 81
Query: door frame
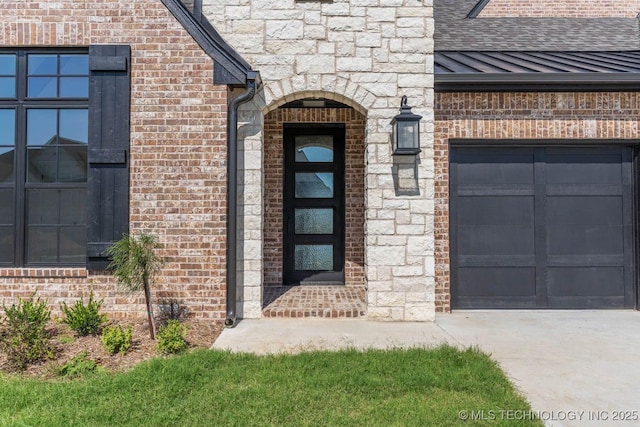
x: 291, y: 276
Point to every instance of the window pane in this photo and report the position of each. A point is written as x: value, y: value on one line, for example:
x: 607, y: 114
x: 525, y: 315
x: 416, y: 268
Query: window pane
x: 314, y: 257
x: 8, y: 65
x: 42, y: 245
x: 42, y: 87
x: 72, y: 166
x: 7, y: 87
x: 43, y: 206
x: 43, y: 64
x: 7, y: 127
x: 74, y: 87
x: 314, y: 221
x: 74, y: 126
x: 72, y: 245
x: 74, y: 64
x: 42, y: 126
x: 73, y: 209
x: 6, y: 164
x: 314, y: 185
x: 314, y: 148
x: 42, y: 164
x: 6, y: 207
x: 6, y: 244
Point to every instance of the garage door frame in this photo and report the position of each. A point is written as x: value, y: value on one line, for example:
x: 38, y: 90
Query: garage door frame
x: 631, y: 289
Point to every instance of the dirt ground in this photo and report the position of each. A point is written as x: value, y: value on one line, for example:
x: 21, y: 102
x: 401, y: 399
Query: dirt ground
x: 201, y: 334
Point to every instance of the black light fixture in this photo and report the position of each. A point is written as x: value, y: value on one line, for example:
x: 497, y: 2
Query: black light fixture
x: 406, y: 131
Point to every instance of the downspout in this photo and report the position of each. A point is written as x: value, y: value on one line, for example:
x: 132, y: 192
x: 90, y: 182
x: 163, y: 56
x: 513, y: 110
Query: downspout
x: 232, y: 196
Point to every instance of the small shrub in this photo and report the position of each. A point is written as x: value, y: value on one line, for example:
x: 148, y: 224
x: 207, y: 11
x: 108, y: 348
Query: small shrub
x: 116, y: 339
x: 84, y: 319
x: 171, y: 338
x: 25, y: 340
x: 79, y: 366
x: 171, y: 309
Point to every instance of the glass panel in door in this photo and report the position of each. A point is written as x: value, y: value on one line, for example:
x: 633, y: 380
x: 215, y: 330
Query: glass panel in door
x: 313, y: 244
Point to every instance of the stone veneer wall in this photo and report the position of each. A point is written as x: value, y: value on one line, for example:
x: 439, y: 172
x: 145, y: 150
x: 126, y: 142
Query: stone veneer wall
x: 354, y: 187
x: 564, y: 8
x: 178, y: 150
x: 366, y: 54
x: 571, y: 116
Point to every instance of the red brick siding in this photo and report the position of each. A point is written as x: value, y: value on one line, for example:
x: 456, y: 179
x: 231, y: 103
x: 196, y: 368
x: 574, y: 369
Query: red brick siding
x: 178, y: 149
x: 564, y: 8
x: 354, y: 191
x: 518, y: 116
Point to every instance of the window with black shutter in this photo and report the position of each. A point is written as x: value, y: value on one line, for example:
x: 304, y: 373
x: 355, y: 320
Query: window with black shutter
x: 63, y: 154
x: 44, y: 139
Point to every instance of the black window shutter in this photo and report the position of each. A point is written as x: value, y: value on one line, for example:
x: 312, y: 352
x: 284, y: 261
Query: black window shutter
x: 108, y: 179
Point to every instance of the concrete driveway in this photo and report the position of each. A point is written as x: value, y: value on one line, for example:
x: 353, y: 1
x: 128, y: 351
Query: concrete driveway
x: 577, y: 368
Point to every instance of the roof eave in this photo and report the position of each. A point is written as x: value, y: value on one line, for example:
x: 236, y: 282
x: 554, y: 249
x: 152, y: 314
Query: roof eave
x: 537, y: 82
x: 230, y: 67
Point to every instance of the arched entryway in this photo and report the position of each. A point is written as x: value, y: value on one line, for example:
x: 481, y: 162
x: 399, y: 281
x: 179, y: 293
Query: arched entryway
x: 313, y: 235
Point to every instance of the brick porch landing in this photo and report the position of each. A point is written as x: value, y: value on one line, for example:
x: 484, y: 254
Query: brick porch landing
x: 314, y: 301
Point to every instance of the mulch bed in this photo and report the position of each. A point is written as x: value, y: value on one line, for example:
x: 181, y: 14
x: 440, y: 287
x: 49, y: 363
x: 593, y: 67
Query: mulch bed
x: 201, y: 334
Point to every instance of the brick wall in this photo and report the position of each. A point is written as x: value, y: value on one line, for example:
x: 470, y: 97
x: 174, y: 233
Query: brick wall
x: 564, y: 8
x: 354, y: 187
x: 572, y: 116
x: 178, y: 146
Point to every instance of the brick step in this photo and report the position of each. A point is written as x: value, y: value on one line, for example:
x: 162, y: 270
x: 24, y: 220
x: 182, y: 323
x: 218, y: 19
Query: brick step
x: 314, y: 301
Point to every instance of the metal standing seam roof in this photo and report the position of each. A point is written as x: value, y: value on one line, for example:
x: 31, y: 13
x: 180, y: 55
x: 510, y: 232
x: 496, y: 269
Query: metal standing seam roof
x: 537, y: 62
x: 495, y: 70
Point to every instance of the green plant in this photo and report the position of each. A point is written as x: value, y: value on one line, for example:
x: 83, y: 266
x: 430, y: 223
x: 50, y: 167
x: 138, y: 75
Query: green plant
x: 134, y: 263
x: 77, y: 367
x: 171, y: 338
x: 116, y: 339
x: 66, y: 339
x: 171, y: 309
x: 84, y: 319
x: 25, y: 340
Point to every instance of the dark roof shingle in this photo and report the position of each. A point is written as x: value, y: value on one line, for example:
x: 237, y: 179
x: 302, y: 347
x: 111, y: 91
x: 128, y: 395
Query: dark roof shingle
x: 454, y: 31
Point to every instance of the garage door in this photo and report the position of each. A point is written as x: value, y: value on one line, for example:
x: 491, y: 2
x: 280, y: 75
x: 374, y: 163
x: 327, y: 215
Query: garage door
x: 544, y: 227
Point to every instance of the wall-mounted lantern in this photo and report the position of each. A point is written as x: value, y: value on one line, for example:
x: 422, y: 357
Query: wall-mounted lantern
x: 406, y: 131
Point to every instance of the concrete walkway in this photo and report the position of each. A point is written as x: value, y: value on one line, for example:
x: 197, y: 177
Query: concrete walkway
x: 574, y: 366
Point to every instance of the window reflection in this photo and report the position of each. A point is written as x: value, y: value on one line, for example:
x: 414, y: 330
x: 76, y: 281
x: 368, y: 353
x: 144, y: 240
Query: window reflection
x: 56, y: 230
x: 57, y: 145
x: 42, y: 65
x: 42, y: 126
x: 7, y: 65
x: 7, y: 155
x: 53, y: 76
x: 314, y: 148
x: 314, y: 185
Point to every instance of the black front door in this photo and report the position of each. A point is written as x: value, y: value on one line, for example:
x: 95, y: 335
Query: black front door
x: 313, y: 204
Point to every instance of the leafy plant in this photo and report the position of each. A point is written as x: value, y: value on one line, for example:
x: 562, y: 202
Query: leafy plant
x: 134, y: 263
x: 171, y: 309
x: 84, y: 319
x: 26, y: 340
x: 171, y: 338
x: 79, y: 366
x: 116, y: 339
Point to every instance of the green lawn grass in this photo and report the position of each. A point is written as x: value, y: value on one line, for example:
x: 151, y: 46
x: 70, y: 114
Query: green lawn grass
x: 414, y: 387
